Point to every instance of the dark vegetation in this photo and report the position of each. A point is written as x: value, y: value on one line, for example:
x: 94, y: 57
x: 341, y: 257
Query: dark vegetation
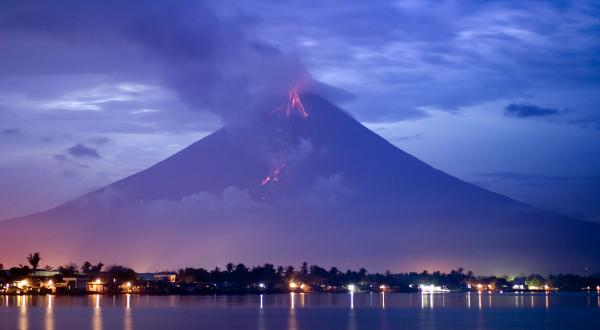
x: 239, y: 278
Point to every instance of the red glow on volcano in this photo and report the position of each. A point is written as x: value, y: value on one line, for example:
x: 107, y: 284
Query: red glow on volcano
x: 294, y: 105
x: 274, y: 177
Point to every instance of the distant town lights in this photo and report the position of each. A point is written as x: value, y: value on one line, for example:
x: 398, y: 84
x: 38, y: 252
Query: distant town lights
x: 351, y: 287
x: 98, y: 281
x: 429, y: 288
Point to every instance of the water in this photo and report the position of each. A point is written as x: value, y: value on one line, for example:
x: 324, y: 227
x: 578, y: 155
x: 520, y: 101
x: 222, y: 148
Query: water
x: 305, y: 311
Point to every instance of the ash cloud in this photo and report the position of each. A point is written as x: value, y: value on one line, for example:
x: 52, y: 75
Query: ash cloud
x: 206, y: 52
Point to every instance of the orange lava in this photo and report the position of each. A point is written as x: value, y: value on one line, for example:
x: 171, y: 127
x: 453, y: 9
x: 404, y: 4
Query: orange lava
x: 274, y: 177
x: 294, y: 105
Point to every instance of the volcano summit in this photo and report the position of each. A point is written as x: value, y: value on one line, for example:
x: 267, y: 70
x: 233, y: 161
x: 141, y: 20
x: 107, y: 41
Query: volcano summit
x: 305, y: 181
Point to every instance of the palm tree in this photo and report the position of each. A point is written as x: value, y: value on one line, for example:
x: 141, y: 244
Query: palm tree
x: 34, y: 260
x: 86, y: 267
x: 229, y: 267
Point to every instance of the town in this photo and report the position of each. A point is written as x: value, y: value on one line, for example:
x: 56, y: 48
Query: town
x: 239, y: 279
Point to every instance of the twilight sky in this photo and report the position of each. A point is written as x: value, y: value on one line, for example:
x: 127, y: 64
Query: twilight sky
x: 501, y: 94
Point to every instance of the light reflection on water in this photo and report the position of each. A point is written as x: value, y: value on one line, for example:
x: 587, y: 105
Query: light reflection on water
x: 97, y: 315
x: 127, y: 323
x: 287, y: 311
x: 49, y: 318
x: 23, y: 319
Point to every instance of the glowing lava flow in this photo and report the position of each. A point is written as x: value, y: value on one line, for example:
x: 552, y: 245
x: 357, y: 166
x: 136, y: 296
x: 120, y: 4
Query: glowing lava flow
x: 294, y: 104
x: 274, y: 177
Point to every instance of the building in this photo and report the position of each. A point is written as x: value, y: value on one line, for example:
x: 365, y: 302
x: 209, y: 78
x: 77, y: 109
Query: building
x: 97, y: 286
x: 169, y: 277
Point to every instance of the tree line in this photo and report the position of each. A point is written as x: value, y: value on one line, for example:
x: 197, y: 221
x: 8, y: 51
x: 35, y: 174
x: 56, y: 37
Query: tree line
x: 240, y: 278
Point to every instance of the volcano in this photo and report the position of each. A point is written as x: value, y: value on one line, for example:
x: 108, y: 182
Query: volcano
x: 303, y: 182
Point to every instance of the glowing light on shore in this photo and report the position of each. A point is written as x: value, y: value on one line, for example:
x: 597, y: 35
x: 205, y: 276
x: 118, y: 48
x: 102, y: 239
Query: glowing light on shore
x: 432, y: 288
x: 351, y: 288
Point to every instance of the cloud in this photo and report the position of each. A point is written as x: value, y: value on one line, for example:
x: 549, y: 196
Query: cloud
x: 524, y: 110
x: 469, y: 53
x: 529, y: 110
x: 589, y: 121
x: 70, y: 163
x: 10, y: 131
x: 330, y: 189
x: 206, y: 52
x: 81, y: 150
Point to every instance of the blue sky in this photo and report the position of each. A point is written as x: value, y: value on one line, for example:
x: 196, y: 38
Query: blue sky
x: 501, y: 94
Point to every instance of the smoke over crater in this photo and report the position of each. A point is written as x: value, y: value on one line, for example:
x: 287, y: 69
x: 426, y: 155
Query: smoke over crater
x: 204, y: 51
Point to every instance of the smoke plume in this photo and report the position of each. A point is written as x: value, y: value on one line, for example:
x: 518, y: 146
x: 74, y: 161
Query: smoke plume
x: 206, y: 52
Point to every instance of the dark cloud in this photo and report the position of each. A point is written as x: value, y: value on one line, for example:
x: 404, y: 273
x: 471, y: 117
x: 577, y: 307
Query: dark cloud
x: 10, y: 131
x: 529, y: 110
x: 206, y: 52
x: 533, y: 111
x: 80, y: 150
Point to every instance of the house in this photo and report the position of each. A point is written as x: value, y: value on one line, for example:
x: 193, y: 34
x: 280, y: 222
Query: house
x: 97, y: 286
x: 44, y: 281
